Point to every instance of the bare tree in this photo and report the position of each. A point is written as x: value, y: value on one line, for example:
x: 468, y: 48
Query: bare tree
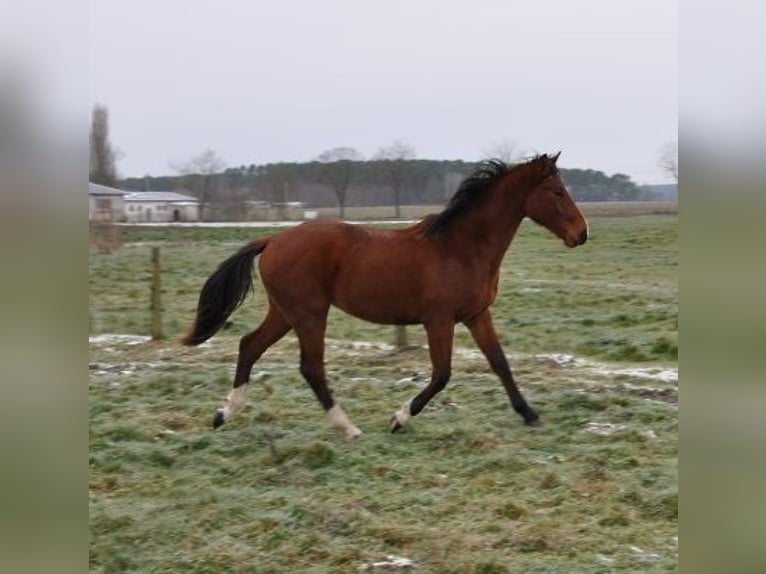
x: 336, y: 169
x: 669, y: 159
x: 202, y: 175
x: 505, y: 150
x: 102, y: 155
x: 393, y: 168
x: 273, y: 183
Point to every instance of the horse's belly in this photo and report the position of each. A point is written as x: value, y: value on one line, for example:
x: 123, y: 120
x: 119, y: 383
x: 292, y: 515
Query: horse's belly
x: 382, y: 299
x: 384, y: 310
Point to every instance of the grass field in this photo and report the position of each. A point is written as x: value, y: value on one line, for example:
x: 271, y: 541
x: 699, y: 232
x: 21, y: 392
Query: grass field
x: 592, y: 334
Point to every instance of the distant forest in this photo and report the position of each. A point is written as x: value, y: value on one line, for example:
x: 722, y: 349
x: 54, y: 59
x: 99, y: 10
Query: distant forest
x: 347, y: 183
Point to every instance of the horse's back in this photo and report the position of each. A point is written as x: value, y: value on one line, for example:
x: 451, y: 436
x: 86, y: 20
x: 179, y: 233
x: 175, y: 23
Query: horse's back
x: 308, y: 255
x: 368, y: 272
x: 309, y: 246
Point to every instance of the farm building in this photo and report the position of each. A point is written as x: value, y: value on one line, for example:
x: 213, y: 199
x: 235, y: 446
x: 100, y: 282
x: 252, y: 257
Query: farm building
x: 160, y: 206
x: 105, y: 203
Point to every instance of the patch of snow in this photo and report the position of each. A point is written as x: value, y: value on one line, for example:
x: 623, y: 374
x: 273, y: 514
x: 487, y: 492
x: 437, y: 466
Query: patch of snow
x: 643, y: 554
x: 110, y: 339
x: 561, y: 359
x: 442, y: 405
x: 391, y: 561
x: 267, y: 224
x: 604, y: 429
x: 600, y: 558
x: 364, y: 345
x: 408, y: 380
x: 667, y: 375
x: 472, y: 354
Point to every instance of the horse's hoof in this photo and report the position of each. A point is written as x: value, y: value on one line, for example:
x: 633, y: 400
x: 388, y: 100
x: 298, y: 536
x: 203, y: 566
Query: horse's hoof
x: 535, y: 422
x: 393, y: 425
x: 217, y: 419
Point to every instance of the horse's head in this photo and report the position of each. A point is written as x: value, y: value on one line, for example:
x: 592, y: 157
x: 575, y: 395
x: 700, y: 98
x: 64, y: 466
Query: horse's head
x: 550, y: 204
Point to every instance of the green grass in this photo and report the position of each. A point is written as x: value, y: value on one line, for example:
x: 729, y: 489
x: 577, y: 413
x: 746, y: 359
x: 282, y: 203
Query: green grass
x: 466, y: 488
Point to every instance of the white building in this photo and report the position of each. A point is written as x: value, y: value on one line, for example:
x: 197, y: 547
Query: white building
x: 105, y: 203
x: 160, y: 206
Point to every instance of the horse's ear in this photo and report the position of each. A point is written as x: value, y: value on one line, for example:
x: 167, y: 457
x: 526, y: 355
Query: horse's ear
x: 555, y: 158
x: 547, y: 164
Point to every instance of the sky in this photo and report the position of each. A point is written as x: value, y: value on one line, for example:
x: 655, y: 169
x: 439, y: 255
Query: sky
x: 270, y: 81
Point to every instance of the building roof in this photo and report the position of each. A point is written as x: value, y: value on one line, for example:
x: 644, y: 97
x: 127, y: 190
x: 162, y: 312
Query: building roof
x: 164, y: 196
x: 98, y: 189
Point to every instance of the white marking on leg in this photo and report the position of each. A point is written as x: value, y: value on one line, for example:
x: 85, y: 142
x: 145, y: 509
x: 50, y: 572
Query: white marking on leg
x: 235, y: 400
x: 403, y: 415
x: 340, y: 422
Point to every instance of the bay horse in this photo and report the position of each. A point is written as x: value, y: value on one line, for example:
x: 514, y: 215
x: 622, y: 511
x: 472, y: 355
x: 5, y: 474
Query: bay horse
x: 438, y: 272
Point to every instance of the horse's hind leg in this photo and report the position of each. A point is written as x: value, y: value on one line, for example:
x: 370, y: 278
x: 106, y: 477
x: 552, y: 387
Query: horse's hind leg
x: 440, y: 348
x: 310, y: 332
x: 251, y: 347
x: 483, y: 333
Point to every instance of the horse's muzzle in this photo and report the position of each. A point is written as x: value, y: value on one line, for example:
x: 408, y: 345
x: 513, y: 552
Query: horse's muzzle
x: 575, y: 240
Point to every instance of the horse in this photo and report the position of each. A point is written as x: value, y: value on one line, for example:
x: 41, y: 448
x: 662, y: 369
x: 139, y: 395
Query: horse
x: 441, y: 271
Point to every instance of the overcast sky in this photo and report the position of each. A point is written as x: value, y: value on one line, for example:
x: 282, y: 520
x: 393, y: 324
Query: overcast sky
x: 284, y: 80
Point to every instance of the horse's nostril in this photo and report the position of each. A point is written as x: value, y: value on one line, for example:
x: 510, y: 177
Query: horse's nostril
x: 583, y: 236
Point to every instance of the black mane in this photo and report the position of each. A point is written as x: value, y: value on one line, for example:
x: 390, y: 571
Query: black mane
x: 470, y: 192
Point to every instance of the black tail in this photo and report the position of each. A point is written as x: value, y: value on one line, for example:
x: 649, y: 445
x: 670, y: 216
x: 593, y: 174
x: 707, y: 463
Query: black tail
x: 223, y: 292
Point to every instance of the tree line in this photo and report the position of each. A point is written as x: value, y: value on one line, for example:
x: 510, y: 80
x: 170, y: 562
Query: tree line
x: 356, y: 183
x: 339, y: 177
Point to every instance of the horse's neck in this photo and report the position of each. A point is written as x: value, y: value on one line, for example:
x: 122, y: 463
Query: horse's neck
x: 488, y: 229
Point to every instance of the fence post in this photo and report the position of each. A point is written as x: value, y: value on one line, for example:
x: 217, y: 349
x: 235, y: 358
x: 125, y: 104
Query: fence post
x: 156, y: 296
x: 400, y: 337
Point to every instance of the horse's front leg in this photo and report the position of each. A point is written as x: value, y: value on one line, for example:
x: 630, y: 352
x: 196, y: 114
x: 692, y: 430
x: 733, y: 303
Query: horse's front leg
x: 440, y: 348
x: 483, y: 333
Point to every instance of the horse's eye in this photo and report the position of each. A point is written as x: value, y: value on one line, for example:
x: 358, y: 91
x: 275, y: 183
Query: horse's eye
x: 558, y: 192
